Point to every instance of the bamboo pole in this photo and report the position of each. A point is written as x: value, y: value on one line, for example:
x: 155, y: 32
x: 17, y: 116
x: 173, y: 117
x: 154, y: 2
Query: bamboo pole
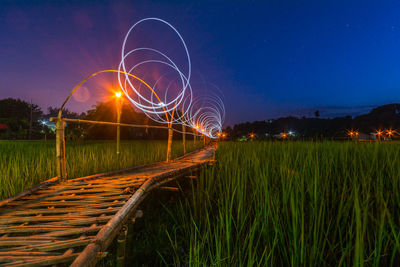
x: 110, y: 123
x: 60, y: 150
x: 184, y: 138
x: 170, y: 134
x: 121, y: 246
x: 118, y: 126
x: 115, y: 124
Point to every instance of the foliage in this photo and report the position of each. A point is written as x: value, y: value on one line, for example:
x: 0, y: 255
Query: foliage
x: 106, y: 111
x: 18, y: 115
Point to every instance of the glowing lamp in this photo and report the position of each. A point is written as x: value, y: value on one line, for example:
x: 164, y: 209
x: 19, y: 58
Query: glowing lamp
x: 118, y: 94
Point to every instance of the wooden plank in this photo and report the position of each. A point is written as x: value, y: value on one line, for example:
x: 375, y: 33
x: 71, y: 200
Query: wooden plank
x: 76, y: 211
x: 32, y: 229
x: 88, y: 203
x: 27, y: 253
x: 56, y: 245
x: 30, y: 219
x: 29, y: 191
x: 74, y: 231
x: 84, y: 221
x: 45, y: 261
x: 84, y: 197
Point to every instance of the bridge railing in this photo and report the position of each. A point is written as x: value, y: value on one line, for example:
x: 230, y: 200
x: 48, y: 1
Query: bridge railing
x: 60, y: 139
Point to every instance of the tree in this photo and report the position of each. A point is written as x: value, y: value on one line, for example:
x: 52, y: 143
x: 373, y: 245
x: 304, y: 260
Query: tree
x: 20, y: 115
x: 73, y: 131
x: 316, y: 113
x: 106, y: 111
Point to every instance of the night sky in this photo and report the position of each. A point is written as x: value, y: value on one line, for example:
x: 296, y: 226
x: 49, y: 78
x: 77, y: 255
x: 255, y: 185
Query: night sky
x: 269, y: 58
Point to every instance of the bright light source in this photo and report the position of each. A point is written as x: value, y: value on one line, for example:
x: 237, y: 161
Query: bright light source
x: 118, y: 94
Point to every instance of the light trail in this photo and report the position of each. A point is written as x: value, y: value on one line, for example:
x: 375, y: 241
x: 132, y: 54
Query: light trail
x: 169, y: 100
x: 179, y: 106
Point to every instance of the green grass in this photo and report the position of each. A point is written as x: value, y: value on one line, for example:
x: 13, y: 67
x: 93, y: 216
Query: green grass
x: 261, y: 204
x: 25, y: 164
x: 292, y: 204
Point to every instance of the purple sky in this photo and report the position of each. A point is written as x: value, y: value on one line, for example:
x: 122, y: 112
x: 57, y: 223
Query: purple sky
x: 269, y: 58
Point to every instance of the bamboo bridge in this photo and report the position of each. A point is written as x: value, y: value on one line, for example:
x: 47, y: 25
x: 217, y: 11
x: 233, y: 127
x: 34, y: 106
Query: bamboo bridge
x: 75, y: 221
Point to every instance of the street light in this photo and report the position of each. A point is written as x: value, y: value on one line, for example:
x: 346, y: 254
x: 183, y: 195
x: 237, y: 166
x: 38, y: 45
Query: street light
x: 379, y: 134
x: 389, y: 133
x: 119, y: 102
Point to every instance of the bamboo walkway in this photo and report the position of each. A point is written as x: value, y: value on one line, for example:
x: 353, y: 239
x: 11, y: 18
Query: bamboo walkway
x: 75, y: 221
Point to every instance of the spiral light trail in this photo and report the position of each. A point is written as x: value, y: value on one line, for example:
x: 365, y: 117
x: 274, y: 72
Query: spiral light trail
x: 170, y: 102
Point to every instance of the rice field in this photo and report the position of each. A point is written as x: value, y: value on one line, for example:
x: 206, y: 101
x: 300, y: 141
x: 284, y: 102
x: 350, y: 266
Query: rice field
x: 292, y: 204
x: 24, y: 164
x: 262, y: 204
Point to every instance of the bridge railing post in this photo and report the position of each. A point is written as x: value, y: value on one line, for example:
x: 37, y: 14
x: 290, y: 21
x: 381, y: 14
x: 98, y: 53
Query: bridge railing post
x: 184, y: 138
x: 170, y: 135
x: 121, y: 246
x: 60, y: 149
x: 119, y: 107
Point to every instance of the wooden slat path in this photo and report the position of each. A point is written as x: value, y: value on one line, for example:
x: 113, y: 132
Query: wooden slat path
x: 76, y: 220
